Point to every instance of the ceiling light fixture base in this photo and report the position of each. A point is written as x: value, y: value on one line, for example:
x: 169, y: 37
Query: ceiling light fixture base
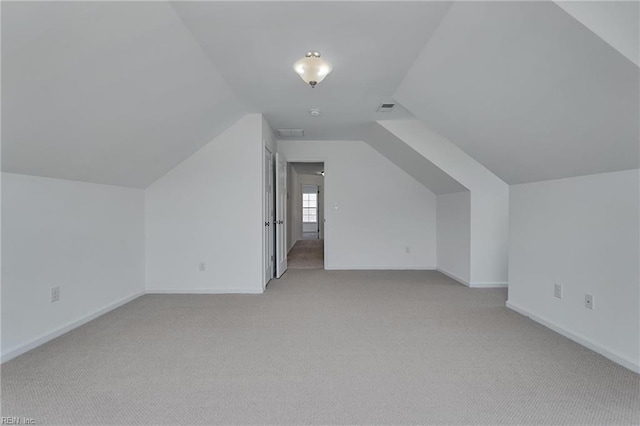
x: 312, y: 69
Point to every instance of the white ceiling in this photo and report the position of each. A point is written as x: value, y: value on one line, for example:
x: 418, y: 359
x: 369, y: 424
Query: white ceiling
x: 114, y: 93
x: 528, y: 91
x: 616, y: 22
x: 370, y: 45
x: 120, y: 92
x: 308, y: 168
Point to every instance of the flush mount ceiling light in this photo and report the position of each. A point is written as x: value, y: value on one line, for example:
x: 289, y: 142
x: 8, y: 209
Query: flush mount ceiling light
x: 314, y: 112
x: 312, y: 68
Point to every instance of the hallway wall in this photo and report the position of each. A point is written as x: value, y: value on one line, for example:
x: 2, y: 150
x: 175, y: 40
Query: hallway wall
x: 377, y: 216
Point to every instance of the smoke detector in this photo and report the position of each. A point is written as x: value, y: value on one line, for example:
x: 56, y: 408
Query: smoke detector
x: 315, y: 112
x: 385, y: 107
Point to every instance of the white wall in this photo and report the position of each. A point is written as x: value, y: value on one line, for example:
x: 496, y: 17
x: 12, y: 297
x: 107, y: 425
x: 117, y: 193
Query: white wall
x: 454, y: 235
x: 581, y: 233
x: 209, y: 209
x: 489, y: 199
x: 380, y: 209
x: 88, y: 239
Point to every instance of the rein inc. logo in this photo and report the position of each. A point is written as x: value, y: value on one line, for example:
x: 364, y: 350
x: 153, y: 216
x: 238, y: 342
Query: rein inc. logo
x: 17, y: 421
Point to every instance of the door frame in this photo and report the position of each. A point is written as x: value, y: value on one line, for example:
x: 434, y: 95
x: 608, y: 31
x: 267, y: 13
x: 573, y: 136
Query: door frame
x: 326, y: 226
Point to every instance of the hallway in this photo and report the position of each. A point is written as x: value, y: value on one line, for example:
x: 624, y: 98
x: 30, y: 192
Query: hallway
x: 307, y: 254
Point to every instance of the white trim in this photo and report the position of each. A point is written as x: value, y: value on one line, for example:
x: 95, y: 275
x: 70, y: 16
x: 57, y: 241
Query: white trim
x: 381, y: 268
x: 453, y: 276
x: 66, y: 328
x: 607, y: 353
x: 489, y: 285
x: 205, y: 291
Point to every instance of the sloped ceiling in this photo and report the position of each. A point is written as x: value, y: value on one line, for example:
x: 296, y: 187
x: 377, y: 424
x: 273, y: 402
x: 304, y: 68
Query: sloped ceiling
x: 412, y: 162
x: 616, y: 22
x: 308, y: 168
x: 528, y: 91
x: 120, y: 92
x: 370, y: 44
x: 115, y: 92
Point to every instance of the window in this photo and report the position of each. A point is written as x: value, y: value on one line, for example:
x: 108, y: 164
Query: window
x: 309, y: 208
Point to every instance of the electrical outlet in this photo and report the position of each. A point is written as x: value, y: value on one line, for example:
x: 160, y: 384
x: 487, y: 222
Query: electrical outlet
x: 55, y: 294
x: 557, y: 291
x: 202, y: 266
x: 588, y: 301
x: 407, y: 249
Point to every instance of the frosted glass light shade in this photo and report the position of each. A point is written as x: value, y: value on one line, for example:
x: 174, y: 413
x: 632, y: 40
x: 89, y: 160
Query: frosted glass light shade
x: 312, y: 68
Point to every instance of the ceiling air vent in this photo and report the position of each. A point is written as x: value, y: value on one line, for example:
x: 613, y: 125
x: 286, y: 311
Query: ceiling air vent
x: 385, y: 107
x: 291, y: 133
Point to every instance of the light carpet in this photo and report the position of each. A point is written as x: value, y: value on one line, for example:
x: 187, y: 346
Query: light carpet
x: 320, y: 347
x: 306, y: 254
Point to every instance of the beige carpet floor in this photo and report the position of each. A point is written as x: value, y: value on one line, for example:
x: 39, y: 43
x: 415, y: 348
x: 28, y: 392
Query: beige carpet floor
x: 320, y: 347
x: 306, y: 254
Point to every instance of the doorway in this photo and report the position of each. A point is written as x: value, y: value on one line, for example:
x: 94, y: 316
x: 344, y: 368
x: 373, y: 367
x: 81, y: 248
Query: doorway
x: 306, y: 218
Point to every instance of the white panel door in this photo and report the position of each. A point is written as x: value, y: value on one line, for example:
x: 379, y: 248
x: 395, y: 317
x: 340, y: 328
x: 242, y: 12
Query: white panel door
x: 281, y: 215
x: 268, y: 217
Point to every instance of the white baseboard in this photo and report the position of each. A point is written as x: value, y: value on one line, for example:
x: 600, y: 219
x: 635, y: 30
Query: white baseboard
x: 473, y: 284
x: 205, y: 291
x: 623, y: 361
x: 380, y: 268
x: 489, y: 285
x: 453, y: 276
x: 66, y: 328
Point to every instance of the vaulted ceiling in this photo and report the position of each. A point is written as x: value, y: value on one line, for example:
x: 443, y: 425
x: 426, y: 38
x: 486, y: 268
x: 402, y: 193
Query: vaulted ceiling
x: 528, y: 91
x: 106, y: 92
x: 120, y: 92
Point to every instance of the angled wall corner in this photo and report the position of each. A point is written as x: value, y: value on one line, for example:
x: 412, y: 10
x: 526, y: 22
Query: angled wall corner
x: 204, y: 211
x: 412, y: 162
x: 122, y: 112
x: 615, y: 22
x: 489, y: 198
x: 522, y: 101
